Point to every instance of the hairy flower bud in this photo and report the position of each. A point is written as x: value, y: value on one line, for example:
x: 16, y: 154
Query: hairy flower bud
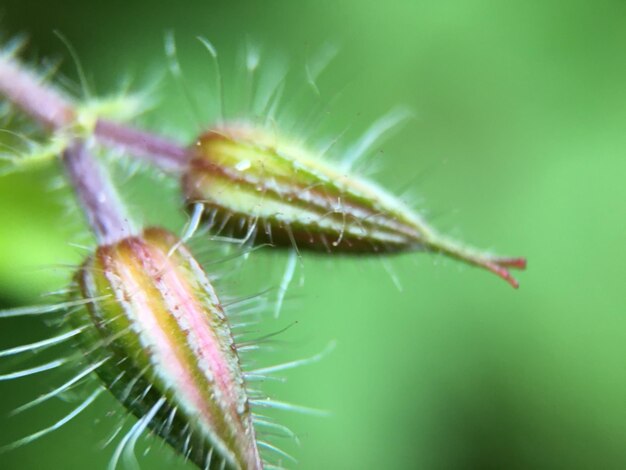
x: 165, y: 347
x: 260, y: 187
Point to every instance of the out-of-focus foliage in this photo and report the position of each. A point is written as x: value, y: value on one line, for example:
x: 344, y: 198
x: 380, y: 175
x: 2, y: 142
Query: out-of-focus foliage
x: 519, y: 146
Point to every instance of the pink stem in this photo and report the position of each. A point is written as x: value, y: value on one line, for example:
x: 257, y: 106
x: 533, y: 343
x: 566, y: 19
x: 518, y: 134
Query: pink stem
x: 26, y: 91
x: 97, y: 196
x: 164, y: 153
x: 49, y: 107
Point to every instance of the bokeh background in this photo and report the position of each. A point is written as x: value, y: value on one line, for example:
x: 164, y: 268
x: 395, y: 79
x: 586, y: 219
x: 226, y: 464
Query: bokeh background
x: 519, y: 145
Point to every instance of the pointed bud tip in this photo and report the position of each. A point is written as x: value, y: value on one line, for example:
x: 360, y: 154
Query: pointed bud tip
x: 517, y: 263
x: 499, y: 266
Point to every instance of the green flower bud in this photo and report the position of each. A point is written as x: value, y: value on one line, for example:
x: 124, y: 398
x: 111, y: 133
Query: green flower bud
x: 167, y: 349
x: 260, y: 187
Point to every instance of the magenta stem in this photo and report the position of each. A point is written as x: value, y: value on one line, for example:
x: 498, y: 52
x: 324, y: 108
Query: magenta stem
x: 26, y: 91
x: 97, y: 196
x: 158, y: 150
x: 53, y: 110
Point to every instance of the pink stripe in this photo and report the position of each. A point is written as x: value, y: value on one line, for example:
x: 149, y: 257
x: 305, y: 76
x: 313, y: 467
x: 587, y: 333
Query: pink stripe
x: 192, y: 315
x: 151, y: 332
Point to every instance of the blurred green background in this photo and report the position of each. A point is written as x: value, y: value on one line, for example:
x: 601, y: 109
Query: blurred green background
x: 519, y: 145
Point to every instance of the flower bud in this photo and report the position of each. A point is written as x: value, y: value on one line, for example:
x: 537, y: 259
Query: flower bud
x: 260, y: 187
x: 167, y: 350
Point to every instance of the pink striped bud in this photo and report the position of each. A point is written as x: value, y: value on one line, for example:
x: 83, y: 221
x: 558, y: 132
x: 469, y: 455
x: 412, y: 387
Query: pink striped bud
x: 167, y: 348
x: 260, y: 187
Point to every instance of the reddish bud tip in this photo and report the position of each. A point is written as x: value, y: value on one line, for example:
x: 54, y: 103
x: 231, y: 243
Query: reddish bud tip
x: 498, y: 266
x: 518, y: 263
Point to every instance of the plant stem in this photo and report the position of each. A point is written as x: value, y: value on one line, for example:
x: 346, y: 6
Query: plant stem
x: 49, y: 107
x: 43, y: 103
x: 97, y: 196
x: 162, y: 152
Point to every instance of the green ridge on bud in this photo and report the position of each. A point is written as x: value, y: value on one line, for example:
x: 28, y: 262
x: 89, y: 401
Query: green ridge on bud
x: 258, y: 186
x: 166, y: 349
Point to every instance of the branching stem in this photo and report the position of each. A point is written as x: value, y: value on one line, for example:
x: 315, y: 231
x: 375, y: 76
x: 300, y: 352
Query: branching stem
x: 55, y: 111
x: 98, y: 198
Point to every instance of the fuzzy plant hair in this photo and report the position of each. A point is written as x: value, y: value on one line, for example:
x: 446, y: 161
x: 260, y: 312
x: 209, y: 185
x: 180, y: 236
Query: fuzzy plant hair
x: 144, y: 319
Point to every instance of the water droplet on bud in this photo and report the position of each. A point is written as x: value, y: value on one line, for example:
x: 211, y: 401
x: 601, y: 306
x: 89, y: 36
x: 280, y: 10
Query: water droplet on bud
x: 306, y: 202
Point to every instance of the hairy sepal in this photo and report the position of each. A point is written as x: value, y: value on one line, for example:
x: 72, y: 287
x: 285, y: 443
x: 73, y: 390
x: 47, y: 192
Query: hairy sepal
x: 262, y: 188
x: 171, y: 353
